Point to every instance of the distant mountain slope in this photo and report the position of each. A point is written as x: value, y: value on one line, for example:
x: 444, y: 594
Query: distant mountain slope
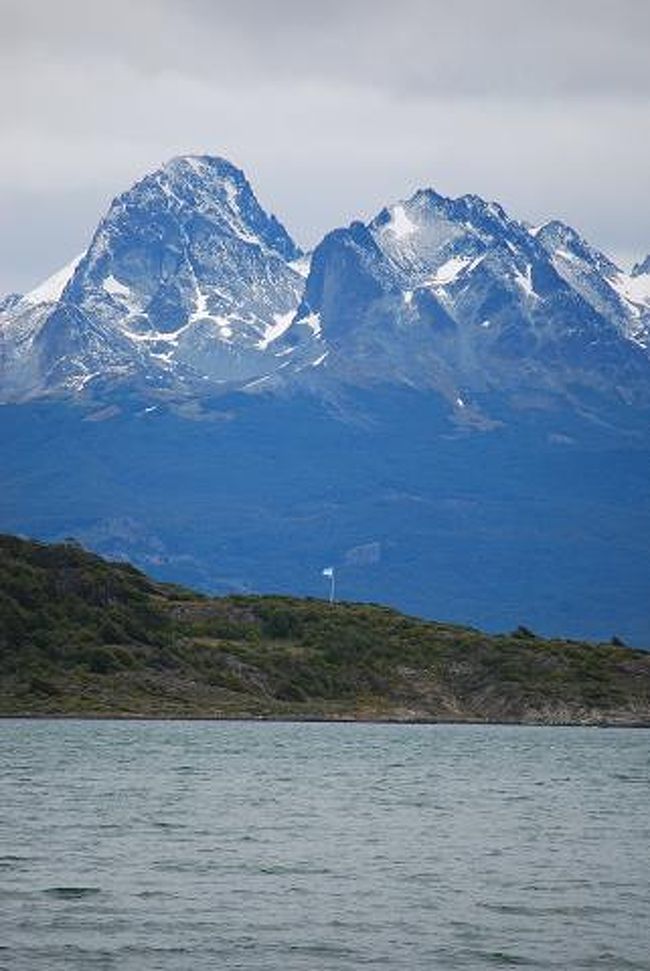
x: 79, y: 635
x: 544, y: 521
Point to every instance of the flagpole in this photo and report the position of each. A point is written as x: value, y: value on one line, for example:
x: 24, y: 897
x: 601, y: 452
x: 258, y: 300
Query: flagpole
x: 329, y: 573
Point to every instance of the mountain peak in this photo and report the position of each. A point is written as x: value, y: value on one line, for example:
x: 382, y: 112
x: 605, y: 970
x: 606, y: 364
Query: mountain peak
x: 427, y: 195
x: 207, y: 185
x: 558, y: 232
x: 187, y: 282
x: 475, y: 202
x: 198, y: 163
x: 207, y: 168
x: 563, y: 240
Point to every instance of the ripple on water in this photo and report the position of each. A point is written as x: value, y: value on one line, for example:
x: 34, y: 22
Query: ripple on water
x: 277, y: 847
x: 72, y: 893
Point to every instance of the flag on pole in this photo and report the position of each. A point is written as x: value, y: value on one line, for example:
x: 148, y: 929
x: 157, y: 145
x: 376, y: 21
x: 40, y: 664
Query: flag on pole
x: 329, y: 573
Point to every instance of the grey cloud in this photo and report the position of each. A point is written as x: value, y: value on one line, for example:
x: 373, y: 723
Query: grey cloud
x: 509, y: 47
x: 333, y: 109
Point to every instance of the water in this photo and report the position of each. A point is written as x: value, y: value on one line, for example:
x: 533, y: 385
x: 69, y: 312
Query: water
x: 184, y: 846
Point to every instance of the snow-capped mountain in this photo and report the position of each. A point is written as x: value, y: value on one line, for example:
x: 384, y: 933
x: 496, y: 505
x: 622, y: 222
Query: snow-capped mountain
x: 189, y: 287
x: 186, y: 283
x: 453, y: 295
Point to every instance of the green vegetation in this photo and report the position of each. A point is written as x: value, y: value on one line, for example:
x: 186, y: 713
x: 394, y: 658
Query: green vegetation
x: 79, y: 635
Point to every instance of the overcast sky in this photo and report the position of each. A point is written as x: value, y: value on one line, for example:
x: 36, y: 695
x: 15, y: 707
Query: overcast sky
x: 332, y: 107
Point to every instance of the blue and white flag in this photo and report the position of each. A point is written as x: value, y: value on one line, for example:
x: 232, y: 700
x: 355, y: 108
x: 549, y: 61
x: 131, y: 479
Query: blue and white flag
x: 328, y: 571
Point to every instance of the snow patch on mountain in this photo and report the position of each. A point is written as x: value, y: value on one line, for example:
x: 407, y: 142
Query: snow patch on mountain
x: 115, y: 288
x: 302, y: 265
x: 51, y: 289
x: 525, y: 280
x: 281, y: 324
x: 634, y: 289
x: 452, y: 269
x: 400, y: 224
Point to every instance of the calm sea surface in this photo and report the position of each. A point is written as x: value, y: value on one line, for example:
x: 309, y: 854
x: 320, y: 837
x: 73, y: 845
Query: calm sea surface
x: 184, y: 846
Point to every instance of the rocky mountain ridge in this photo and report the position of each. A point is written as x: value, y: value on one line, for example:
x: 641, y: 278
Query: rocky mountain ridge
x: 190, y: 288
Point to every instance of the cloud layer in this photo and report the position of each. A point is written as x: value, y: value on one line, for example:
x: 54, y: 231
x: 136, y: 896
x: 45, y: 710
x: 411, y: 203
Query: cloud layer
x: 332, y: 109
